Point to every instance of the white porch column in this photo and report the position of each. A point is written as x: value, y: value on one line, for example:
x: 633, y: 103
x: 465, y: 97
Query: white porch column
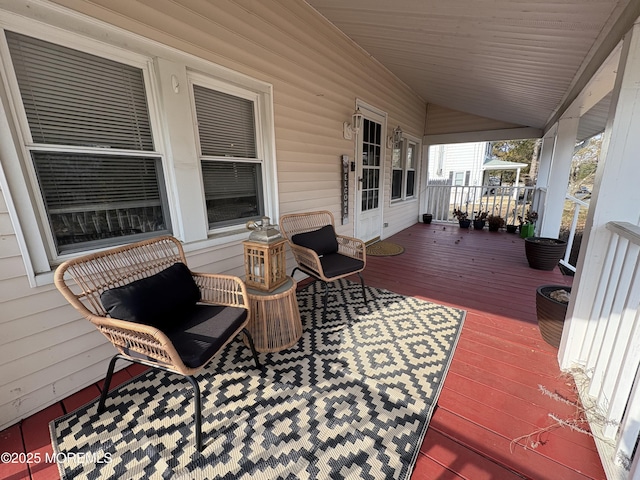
x: 558, y: 179
x: 544, y: 167
x: 616, y: 196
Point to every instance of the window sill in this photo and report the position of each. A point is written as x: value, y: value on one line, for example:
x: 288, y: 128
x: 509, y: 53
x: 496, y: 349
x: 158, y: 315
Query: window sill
x: 401, y: 201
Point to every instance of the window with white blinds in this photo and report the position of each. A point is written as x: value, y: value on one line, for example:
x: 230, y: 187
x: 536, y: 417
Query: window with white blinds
x: 74, y: 98
x: 231, y: 167
x: 107, y: 184
x: 226, y: 124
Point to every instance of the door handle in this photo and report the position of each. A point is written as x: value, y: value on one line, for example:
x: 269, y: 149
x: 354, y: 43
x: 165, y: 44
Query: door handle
x: 359, y: 183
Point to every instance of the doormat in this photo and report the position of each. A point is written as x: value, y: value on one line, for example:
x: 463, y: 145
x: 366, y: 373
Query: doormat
x: 384, y: 249
x: 352, y: 399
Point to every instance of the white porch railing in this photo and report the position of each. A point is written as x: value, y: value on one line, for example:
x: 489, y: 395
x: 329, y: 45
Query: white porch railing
x: 577, y: 205
x: 508, y: 202
x: 611, y: 347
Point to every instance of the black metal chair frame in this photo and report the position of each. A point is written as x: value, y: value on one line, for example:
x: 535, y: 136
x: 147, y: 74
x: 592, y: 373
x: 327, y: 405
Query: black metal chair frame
x: 197, y: 399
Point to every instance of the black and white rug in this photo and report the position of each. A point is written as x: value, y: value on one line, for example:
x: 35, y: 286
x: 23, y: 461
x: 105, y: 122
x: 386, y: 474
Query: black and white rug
x: 352, y: 399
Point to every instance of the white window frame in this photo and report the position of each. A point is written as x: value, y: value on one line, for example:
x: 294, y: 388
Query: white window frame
x: 39, y: 238
x: 398, y: 151
x: 82, y: 33
x: 455, y: 178
x: 404, y: 149
x: 28, y: 145
x: 407, y: 169
x: 206, y: 81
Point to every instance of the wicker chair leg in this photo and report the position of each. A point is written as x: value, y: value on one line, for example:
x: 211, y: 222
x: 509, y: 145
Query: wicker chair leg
x: 253, y: 348
x: 197, y: 411
x: 107, y: 381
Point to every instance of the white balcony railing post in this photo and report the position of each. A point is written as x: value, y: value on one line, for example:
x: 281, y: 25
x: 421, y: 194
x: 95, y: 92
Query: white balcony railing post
x: 508, y: 202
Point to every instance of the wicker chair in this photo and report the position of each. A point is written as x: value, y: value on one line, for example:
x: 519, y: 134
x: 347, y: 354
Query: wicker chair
x: 155, y: 311
x: 320, y: 252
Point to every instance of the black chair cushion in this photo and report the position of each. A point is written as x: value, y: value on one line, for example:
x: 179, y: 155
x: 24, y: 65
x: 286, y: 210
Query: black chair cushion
x: 157, y: 300
x: 336, y: 264
x: 322, y: 241
x: 202, y: 330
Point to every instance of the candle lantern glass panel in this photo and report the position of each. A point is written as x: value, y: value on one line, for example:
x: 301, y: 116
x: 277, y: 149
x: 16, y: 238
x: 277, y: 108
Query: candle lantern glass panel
x: 265, y: 265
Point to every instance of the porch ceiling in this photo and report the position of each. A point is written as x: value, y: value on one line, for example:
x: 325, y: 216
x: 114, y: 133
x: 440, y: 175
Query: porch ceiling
x: 517, y: 61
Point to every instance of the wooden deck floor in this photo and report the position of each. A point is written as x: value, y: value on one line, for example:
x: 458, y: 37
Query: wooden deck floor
x: 491, y: 395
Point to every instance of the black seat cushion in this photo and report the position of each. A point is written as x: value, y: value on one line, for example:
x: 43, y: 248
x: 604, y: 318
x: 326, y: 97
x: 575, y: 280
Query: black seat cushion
x: 322, y: 241
x: 156, y: 300
x: 202, y: 330
x: 336, y: 264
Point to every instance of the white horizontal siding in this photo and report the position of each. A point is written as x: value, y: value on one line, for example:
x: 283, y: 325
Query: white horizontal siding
x: 400, y: 215
x: 46, y: 351
x: 317, y: 74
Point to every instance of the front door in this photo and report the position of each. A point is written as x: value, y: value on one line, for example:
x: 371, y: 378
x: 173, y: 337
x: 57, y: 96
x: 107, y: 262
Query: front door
x: 370, y: 176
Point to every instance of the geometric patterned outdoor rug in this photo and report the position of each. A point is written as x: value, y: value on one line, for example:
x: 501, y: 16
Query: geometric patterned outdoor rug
x: 352, y: 399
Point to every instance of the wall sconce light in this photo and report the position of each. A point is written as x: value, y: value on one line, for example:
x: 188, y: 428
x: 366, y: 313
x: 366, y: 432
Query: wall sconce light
x: 394, y: 140
x: 351, y: 129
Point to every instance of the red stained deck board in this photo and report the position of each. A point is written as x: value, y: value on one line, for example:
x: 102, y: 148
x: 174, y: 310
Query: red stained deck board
x: 37, y: 440
x: 136, y: 369
x: 118, y: 378
x: 501, y: 359
x: 519, y: 354
x: 11, y: 442
x: 500, y: 410
x: 428, y: 469
x: 521, y: 331
x: 496, y: 447
x: 466, y: 463
x: 78, y: 399
x: 526, y: 392
x: 509, y: 426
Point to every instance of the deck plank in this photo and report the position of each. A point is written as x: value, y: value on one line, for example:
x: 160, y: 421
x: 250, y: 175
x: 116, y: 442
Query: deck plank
x: 11, y: 442
x: 428, y: 469
x: 81, y: 398
x: 465, y: 463
x: 37, y: 440
x: 528, y: 463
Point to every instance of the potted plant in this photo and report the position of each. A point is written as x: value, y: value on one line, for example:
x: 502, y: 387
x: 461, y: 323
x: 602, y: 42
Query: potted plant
x: 495, y: 222
x: 479, y: 220
x: 544, y: 253
x: 528, y: 224
x: 426, y: 218
x: 463, y: 221
x: 512, y: 227
x: 551, y: 310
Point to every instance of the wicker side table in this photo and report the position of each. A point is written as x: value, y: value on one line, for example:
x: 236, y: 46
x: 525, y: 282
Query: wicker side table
x: 275, y: 319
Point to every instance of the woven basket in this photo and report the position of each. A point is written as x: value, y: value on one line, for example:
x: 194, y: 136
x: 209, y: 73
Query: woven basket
x: 551, y: 313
